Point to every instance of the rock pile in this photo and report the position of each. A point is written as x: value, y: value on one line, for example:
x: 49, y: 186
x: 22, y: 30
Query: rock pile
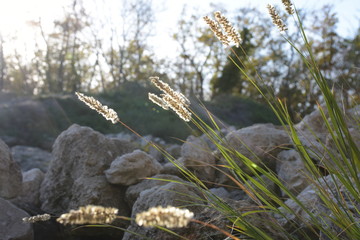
x: 86, y: 167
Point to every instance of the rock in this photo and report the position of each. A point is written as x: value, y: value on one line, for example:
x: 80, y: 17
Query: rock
x: 171, y: 194
x: 309, y: 197
x: 197, y: 156
x: 76, y: 173
x: 133, y: 192
x: 32, y: 122
x: 312, y: 123
x: 131, y: 168
x: 10, y: 174
x: 170, y: 169
x: 220, y: 192
x: 32, y: 180
x: 292, y: 171
x: 174, y: 150
x: 11, y: 225
x: 260, y: 143
x: 31, y: 157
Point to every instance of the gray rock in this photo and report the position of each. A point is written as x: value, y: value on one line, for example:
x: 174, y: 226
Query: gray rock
x: 260, y: 143
x: 133, y: 192
x: 31, y: 157
x: 32, y: 122
x: 10, y: 174
x: 170, y: 169
x: 174, y: 150
x: 173, y: 194
x: 312, y: 123
x: 32, y: 180
x: 131, y: 168
x: 197, y: 156
x: 292, y: 171
x: 220, y: 192
x: 309, y: 197
x: 76, y: 173
x: 11, y: 225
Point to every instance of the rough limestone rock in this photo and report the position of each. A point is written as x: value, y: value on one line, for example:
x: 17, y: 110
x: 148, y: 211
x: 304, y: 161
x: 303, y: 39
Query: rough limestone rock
x: 76, y: 173
x: 133, y: 192
x: 309, y: 197
x: 170, y: 169
x: 312, y: 123
x: 131, y: 168
x: 31, y: 157
x: 197, y: 156
x: 10, y: 174
x: 11, y: 225
x: 32, y: 180
x: 173, y: 194
x: 32, y: 122
x: 263, y: 140
x: 292, y: 171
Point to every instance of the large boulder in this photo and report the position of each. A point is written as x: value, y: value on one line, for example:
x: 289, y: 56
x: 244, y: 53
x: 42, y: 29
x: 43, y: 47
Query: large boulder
x: 171, y: 194
x: 310, y: 198
x: 292, y: 171
x: 11, y: 225
x: 35, y: 122
x: 10, y: 174
x: 131, y: 168
x: 197, y: 156
x: 31, y: 157
x: 133, y: 192
x: 76, y: 173
x: 32, y: 180
x: 260, y: 143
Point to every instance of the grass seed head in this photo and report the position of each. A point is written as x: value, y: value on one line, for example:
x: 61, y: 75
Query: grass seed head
x: 37, y: 218
x: 89, y: 214
x: 276, y: 18
x: 108, y: 113
x: 170, y: 217
x: 288, y: 6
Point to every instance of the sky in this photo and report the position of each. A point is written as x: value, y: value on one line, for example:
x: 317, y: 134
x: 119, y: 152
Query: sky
x: 14, y: 15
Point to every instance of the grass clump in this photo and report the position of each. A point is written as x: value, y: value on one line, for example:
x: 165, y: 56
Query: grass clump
x: 335, y: 186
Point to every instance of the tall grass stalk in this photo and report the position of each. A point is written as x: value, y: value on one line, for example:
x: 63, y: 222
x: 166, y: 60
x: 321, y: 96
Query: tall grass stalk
x: 339, y: 189
x: 342, y: 201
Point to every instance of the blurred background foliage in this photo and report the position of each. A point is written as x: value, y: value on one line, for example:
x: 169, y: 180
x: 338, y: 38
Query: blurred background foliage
x: 73, y: 57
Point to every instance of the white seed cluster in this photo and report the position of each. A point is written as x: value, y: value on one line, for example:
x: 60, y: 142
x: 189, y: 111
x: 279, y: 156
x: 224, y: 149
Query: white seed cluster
x: 94, y: 104
x: 158, y: 101
x: 276, y: 18
x: 37, y: 218
x: 169, y: 217
x: 288, y: 6
x: 89, y: 214
x: 230, y: 32
x: 170, y: 99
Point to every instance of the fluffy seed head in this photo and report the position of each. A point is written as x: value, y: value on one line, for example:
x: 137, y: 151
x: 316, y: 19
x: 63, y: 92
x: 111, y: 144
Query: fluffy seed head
x: 177, y: 107
x: 276, y: 18
x: 89, y: 214
x: 170, y: 99
x: 170, y: 217
x: 164, y: 87
x: 37, y: 218
x: 94, y: 104
x: 215, y: 28
x: 288, y: 6
x: 228, y: 28
x: 158, y: 101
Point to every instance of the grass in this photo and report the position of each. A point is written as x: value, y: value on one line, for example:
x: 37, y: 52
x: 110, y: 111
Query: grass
x: 337, y: 215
